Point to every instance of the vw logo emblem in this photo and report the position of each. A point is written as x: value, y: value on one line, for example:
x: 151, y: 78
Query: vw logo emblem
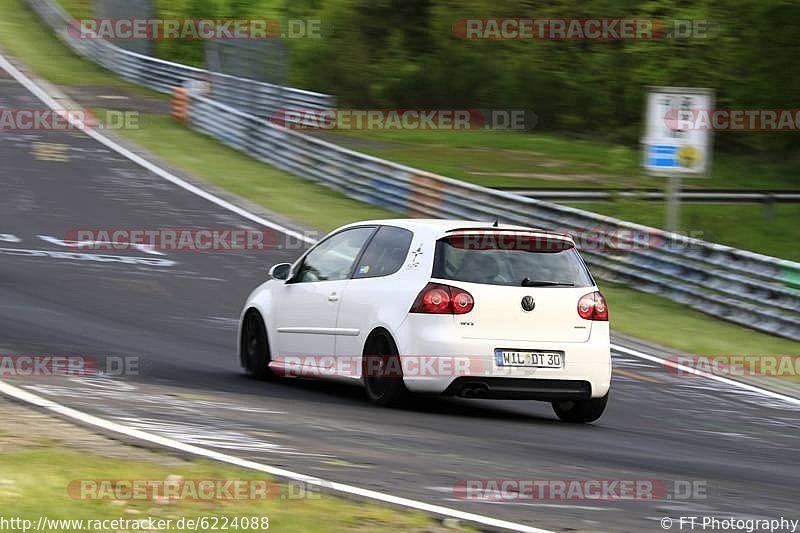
x: 528, y: 303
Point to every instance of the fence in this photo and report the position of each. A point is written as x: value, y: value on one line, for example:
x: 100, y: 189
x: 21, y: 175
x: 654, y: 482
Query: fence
x: 255, y: 97
x: 743, y: 287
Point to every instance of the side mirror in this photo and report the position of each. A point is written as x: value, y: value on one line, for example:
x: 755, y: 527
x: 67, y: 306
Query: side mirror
x: 280, y: 271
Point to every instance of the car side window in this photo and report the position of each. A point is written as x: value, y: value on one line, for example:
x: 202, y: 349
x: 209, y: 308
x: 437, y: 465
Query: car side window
x: 333, y: 258
x: 385, y: 254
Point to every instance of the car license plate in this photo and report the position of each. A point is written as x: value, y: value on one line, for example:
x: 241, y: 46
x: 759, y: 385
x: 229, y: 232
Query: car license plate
x: 529, y: 358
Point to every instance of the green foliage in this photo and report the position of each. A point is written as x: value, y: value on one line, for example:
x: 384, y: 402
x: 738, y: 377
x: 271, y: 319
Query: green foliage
x: 403, y: 53
x: 185, y: 51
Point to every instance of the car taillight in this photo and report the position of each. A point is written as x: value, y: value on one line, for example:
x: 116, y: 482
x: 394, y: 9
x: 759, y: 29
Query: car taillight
x: 439, y: 299
x: 593, y: 307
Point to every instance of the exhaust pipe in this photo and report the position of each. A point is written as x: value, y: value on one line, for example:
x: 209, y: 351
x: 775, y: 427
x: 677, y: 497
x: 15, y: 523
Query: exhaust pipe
x: 473, y: 390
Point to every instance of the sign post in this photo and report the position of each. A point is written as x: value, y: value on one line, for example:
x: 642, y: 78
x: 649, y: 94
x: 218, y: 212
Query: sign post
x: 675, y: 143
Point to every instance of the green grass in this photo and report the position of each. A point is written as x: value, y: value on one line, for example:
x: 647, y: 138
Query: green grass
x: 492, y: 158
x: 769, y: 230
x: 642, y: 315
x: 673, y: 325
x: 35, y: 483
x: 486, y: 157
x: 24, y: 36
x: 80, y: 9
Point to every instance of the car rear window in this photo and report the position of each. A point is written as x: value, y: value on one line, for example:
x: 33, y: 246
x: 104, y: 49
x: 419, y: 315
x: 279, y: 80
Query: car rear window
x: 493, y: 261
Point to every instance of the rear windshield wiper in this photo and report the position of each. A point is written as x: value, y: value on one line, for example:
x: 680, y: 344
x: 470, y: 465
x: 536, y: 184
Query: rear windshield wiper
x: 544, y: 283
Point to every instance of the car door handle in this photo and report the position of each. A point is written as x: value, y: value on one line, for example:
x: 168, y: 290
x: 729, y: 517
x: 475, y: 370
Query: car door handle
x: 333, y: 297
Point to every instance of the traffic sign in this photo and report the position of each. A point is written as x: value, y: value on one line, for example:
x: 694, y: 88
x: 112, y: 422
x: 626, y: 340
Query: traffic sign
x: 674, y: 143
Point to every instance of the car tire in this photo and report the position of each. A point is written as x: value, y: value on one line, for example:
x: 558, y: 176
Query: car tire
x: 381, y: 358
x: 580, y: 411
x: 254, y: 347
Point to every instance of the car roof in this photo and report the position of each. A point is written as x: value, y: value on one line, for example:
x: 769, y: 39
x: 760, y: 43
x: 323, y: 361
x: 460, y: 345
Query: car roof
x: 441, y: 226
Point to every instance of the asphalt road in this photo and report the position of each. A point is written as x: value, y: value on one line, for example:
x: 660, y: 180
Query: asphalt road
x: 179, y: 319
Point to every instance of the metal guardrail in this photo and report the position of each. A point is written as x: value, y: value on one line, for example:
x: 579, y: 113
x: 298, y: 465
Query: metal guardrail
x: 743, y: 287
x: 689, y: 195
x: 255, y: 97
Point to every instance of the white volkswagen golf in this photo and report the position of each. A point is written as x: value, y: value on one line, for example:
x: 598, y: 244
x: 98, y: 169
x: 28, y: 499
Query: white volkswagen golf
x: 445, y: 307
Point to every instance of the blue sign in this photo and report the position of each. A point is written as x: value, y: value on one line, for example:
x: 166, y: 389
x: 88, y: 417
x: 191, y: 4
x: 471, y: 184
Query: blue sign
x: 662, y: 156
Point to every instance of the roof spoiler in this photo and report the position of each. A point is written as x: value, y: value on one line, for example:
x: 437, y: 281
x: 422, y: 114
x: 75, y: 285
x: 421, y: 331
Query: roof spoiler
x: 519, y: 230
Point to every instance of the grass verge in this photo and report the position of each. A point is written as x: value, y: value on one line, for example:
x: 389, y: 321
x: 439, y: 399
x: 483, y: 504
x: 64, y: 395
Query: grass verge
x: 40, y: 479
x: 638, y: 314
x: 24, y: 36
x: 40, y: 476
x: 767, y: 229
x: 504, y: 158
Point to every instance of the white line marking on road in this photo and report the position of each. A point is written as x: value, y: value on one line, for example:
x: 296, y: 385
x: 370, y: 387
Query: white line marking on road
x: 91, y: 244
x: 81, y: 256
x: 101, y: 423
x: 7, y: 237
x: 690, y: 370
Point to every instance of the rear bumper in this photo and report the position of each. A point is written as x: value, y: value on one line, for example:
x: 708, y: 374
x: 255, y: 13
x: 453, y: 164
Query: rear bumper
x: 519, y: 388
x: 586, y: 372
